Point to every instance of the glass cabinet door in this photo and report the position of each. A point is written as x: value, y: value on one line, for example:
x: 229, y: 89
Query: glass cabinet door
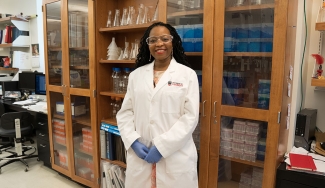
x: 82, y: 137
x: 54, y: 48
x: 59, y: 131
x: 78, y: 43
x: 246, y: 83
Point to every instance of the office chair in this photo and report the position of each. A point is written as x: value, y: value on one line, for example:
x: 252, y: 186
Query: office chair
x: 7, y: 129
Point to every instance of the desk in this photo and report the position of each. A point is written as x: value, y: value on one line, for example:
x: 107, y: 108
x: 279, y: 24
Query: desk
x: 41, y: 126
x: 288, y: 178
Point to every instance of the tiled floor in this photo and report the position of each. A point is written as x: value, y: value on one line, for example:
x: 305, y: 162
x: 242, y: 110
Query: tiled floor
x: 38, y: 176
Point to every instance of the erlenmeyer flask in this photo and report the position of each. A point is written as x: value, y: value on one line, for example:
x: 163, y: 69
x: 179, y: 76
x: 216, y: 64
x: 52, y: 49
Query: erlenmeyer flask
x: 132, y: 56
x: 124, y: 16
x: 155, y: 15
x: 117, y: 18
x: 145, y: 15
x: 140, y: 15
x: 126, y: 51
x: 109, y: 19
x: 131, y: 15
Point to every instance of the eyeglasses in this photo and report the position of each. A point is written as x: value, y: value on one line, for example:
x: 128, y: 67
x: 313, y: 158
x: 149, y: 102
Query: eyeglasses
x: 162, y: 38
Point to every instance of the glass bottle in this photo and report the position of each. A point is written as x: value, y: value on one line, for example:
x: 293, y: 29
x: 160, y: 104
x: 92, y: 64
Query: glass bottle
x: 117, y: 18
x: 109, y: 19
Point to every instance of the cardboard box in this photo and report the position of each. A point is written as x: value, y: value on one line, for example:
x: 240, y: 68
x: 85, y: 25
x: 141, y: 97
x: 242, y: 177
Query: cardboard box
x: 76, y: 109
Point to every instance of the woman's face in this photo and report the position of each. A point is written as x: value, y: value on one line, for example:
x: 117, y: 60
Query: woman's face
x: 162, y: 46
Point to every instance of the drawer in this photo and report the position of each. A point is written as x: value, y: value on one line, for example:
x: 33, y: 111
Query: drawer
x: 43, y: 148
x: 41, y: 124
x: 43, y: 135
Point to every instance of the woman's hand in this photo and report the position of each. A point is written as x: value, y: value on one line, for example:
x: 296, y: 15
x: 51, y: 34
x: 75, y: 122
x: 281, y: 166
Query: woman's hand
x: 140, y: 149
x: 153, y: 155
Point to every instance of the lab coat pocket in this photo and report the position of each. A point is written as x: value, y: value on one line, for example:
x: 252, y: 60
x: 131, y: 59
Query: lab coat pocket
x: 171, y: 102
x: 133, y: 161
x: 182, y: 161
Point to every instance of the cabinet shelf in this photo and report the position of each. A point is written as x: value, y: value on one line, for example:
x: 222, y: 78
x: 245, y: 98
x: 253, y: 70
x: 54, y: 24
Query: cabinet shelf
x: 79, y: 48
x: 249, y: 7
x: 8, y: 69
x: 110, y: 121
x: 185, y: 13
x: 116, y: 61
x: 8, y: 20
x: 85, y: 119
x: 128, y: 28
x: 111, y: 94
x: 318, y: 82
x: 194, y: 53
x: 78, y: 67
x: 249, y: 54
x: 256, y: 163
x: 118, y: 163
x: 320, y: 26
x: 9, y: 45
x: 54, y: 49
x: 84, y: 152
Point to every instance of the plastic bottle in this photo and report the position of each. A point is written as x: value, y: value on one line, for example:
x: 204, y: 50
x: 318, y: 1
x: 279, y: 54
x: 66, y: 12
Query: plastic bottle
x: 125, y: 79
x: 116, y: 80
x: 113, y: 74
x: 112, y: 106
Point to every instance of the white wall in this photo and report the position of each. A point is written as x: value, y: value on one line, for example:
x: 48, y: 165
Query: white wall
x: 27, y: 7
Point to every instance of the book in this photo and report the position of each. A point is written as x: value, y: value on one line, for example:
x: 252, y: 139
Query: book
x: 303, y: 162
x: 102, y: 144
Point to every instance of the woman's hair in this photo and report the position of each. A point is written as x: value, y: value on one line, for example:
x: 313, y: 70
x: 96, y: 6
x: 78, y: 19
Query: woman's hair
x: 144, y: 53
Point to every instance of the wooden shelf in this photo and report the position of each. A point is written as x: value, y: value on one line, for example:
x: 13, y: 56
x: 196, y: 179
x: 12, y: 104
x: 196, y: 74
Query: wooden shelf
x: 8, y: 19
x: 184, y: 13
x: 193, y: 53
x: 78, y: 67
x: 249, y: 54
x: 318, y: 82
x: 54, y: 49
x: 118, y: 163
x: 256, y: 163
x: 249, y: 7
x: 116, y: 61
x: 110, y: 121
x: 128, y: 28
x: 9, y: 45
x: 112, y: 94
x: 79, y: 48
x: 320, y: 26
x: 8, y: 69
x: 85, y: 120
x: 59, y: 116
x: 84, y: 152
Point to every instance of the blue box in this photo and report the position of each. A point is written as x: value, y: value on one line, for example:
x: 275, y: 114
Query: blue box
x: 260, y: 156
x: 228, y: 44
x: 188, y: 31
x: 264, y: 86
x: 266, y: 45
x: 267, y: 30
x: 198, y: 31
x: 188, y: 44
x: 254, y: 31
x: 231, y: 31
x: 180, y: 31
x: 263, y: 101
x: 198, y: 44
x: 242, y: 32
x: 254, y: 45
x: 242, y: 45
x: 261, y: 144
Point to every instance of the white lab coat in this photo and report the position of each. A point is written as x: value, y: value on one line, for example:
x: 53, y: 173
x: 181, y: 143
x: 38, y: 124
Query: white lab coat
x: 164, y: 116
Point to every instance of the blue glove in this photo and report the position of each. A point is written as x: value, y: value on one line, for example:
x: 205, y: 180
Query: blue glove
x: 153, y: 155
x: 140, y: 149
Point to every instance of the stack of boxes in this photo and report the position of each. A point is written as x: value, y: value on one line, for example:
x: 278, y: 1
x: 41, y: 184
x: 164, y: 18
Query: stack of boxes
x: 192, y: 37
x: 63, y: 158
x: 253, y: 36
x: 86, y: 144
x: 263, y: 94
x: 85, y: 166
x: 59, y: 131
x: 240, y: 141
x: 251, y: 178
x: 234, y: 87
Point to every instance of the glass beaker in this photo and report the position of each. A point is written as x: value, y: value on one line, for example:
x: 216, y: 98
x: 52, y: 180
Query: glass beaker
x: 117, y: 18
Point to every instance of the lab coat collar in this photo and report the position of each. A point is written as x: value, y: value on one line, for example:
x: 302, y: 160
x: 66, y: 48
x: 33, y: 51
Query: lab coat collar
x: 167, y: 76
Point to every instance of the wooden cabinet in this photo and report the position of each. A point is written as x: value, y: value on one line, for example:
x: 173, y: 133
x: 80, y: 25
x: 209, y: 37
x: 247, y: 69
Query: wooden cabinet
x: 71, y: 88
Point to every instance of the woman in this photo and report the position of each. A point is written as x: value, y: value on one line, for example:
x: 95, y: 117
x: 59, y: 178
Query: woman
x: 159, y: 114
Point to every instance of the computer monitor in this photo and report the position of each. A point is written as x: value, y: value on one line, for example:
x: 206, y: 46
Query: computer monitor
x: 40, y: 84
x: 26, y: 81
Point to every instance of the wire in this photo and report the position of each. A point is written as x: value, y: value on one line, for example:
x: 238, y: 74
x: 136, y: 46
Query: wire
x: 303, y: 57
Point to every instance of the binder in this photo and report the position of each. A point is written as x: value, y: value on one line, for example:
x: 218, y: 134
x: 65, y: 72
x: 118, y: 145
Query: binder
x: 302, y: 162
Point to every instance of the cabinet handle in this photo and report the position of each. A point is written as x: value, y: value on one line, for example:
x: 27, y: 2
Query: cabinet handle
x: 214, y: 109
x: 41, y: 134
x: 40, y: 123
x: 203, y: 106
x: 42, y: 145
